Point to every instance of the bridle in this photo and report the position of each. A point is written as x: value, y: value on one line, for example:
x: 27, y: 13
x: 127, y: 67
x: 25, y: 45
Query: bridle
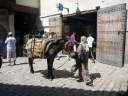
x: 66, y: 47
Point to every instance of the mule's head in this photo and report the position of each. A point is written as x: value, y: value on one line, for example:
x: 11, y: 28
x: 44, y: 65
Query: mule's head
x: 69, y: 48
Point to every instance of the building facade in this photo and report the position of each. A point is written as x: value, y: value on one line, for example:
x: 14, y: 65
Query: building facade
x: 106, y: 20
x: 17, y: 16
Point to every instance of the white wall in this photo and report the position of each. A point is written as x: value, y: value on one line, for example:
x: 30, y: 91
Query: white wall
x: 48, y: 7
x: 29, y: 3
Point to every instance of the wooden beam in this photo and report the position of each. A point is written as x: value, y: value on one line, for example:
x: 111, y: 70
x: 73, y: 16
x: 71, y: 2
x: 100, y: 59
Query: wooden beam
x: 81, y: 18
x: 21, y: 8
x: 12, y: 6
x: 8, y: 4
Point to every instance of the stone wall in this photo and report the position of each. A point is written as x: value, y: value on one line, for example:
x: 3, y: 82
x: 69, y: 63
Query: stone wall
x: 4, y: 27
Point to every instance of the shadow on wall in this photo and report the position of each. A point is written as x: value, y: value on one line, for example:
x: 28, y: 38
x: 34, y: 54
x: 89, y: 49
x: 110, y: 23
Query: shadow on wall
x: 24, y: 90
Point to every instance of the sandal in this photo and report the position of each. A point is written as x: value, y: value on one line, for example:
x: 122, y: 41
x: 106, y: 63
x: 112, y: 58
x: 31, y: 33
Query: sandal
x: 93, y: 61
x: 89, y: 84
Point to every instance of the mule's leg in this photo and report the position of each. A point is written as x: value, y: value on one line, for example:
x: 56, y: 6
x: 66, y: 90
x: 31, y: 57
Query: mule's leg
x: 31, y: 64
x: 50, y: 65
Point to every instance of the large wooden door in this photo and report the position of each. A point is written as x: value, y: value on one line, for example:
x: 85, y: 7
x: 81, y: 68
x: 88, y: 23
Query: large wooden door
x: 55, y: 25
x: 111, y: 29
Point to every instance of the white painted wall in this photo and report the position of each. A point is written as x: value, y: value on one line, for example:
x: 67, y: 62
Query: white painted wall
x: 29, y: 3
x: 48, y: 7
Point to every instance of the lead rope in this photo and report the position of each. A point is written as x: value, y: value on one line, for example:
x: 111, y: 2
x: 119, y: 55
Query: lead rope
x: 33, y: 48
x: 64, y: 62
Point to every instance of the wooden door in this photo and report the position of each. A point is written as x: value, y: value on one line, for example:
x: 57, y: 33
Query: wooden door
x: 111, y: 29
x: 55, y: 25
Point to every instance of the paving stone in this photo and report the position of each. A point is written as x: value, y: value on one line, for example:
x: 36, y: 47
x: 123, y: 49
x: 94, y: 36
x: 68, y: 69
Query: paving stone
x: 110, y: 86
x: 105, y: 85
x: 124, y: 86
x: 18, y: 81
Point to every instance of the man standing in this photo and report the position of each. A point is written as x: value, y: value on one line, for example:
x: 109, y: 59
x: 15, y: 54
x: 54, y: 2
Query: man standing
x: 1, y: 45
x: 11, y: 48
x: 73, y: 40
x: 90, y: 41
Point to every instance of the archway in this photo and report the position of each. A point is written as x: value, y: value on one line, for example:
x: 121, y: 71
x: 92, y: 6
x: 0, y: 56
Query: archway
x: 3, y: 35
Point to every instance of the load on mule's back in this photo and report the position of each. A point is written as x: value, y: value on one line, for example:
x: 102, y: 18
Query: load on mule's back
x: 37, y: 47
x: 34, y: 47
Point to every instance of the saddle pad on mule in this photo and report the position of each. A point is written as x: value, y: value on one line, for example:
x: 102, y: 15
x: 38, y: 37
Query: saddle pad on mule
x: 38, y: 47
x: 50, y: 43
x: 35, y: 47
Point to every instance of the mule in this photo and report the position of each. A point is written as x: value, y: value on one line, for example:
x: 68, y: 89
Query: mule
x: 51, y: 51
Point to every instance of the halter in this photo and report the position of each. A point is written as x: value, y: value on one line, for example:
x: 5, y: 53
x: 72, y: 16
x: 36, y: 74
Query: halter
x: 66, y: 46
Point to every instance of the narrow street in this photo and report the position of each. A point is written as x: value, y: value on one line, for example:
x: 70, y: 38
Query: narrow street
x: 18, y: 81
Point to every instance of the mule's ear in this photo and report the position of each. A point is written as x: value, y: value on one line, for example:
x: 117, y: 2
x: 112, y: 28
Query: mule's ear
x: 61, y: 41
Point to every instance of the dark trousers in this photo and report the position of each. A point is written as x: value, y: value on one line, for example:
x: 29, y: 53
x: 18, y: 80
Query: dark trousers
x: 0, y: 62
x: 91, y: 52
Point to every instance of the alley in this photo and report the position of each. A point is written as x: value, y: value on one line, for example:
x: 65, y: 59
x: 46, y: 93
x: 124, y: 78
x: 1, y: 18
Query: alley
x: 18, y: 81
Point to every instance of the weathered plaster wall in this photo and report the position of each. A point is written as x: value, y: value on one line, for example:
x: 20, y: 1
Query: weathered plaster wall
x: 29, y: 3
x: 48, y: 7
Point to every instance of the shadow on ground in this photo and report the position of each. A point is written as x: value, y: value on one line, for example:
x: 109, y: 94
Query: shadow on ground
x: 24, y: 90
x: 57, y: 73
x: 65, y: 74
x: 95, y: 75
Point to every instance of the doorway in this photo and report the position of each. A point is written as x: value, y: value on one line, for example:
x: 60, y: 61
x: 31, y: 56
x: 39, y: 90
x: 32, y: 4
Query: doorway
x: 82, y: 24
x: 25, y: 23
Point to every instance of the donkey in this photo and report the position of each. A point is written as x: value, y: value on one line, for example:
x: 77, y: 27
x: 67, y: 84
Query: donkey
x: 52, y: 47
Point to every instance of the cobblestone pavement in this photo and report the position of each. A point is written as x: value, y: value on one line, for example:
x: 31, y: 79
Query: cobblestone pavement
x: 18, y: 81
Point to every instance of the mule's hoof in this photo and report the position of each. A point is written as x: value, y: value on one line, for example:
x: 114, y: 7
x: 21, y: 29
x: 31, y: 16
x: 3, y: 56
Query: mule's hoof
x: 74, y: 68
x: 50, y: 77
x: 32, y: 71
